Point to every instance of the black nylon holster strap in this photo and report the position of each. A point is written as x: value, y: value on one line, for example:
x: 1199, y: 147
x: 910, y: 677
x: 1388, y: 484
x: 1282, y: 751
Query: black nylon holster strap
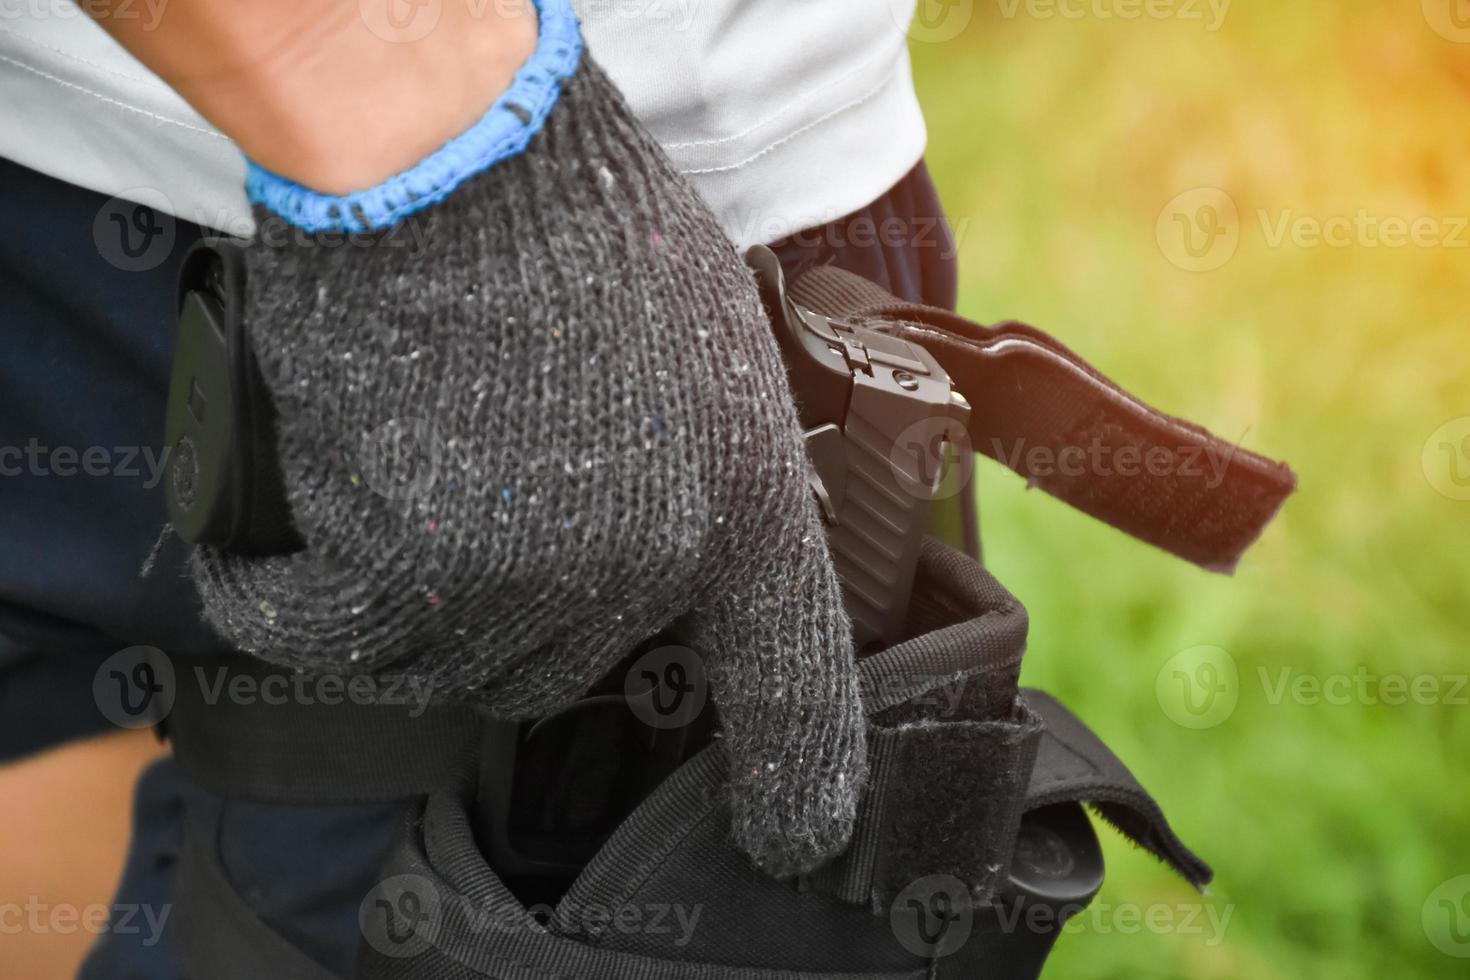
x: 1043, y: 411
x: 1073, y: 765
x: 239, y: 731
x: 274, y: 749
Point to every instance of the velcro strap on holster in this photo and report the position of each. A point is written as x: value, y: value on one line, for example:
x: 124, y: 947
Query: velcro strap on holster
x: 944, y: 798
x: 1073, y: 765
x: 947, y: 798
x: 1046, y: 413
x: 950, y: 744
x: 958, y: 753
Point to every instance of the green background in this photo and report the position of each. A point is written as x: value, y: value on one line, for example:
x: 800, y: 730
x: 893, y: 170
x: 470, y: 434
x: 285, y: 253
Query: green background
x: 1058, y: 143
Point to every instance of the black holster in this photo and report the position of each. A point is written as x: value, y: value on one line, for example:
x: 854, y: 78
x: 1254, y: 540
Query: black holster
x: 585, y: 847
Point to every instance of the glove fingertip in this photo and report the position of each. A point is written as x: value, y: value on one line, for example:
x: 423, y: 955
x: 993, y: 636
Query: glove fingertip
x: 792, y: 823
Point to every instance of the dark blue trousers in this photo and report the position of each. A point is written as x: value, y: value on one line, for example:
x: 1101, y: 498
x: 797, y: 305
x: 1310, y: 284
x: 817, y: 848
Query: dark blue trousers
x: 86, y: 336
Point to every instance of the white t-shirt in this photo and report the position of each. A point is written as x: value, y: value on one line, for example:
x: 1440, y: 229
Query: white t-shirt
x: 784, y: 113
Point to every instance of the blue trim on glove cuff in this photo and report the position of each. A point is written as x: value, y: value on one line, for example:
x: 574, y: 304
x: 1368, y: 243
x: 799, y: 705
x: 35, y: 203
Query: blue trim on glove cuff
x: 503, y: 132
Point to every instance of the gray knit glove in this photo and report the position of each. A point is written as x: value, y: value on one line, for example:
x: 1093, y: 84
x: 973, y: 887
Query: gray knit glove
x: 528, y: 427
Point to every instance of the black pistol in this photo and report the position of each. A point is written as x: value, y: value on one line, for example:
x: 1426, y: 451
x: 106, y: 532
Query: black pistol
x: 882, y: 424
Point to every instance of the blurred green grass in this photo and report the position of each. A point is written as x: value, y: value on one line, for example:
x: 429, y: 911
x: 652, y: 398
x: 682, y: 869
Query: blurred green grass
x: 1056, y: 143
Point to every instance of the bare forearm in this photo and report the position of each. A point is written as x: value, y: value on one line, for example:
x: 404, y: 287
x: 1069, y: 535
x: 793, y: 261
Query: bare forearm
x: 334, y: 94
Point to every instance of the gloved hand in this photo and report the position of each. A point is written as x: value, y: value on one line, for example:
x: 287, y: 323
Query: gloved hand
x: 550, y: 317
